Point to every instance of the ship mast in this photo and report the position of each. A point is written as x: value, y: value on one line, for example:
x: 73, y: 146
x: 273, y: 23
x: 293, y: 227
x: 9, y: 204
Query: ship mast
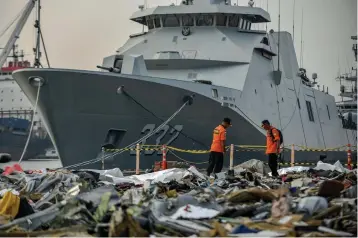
x: 39, y: 40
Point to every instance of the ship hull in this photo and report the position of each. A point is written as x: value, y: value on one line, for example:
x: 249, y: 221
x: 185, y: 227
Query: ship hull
x: 80, y: 107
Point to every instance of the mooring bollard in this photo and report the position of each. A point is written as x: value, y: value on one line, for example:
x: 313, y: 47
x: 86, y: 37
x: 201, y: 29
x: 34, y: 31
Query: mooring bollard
x: 137, y: 159
x: 292, y: 155
x: 349, y: 157
x: 164, y: 161
x: 231, y: 156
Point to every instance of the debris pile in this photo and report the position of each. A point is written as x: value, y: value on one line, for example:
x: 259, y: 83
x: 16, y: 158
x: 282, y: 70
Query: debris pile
x: 310, y: 202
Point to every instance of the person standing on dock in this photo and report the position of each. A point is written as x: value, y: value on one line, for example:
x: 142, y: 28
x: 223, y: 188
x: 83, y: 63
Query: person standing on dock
x: 217, y: 150
x: 273, y: 142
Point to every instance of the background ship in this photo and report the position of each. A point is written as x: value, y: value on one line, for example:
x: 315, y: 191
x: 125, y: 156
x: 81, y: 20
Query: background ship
x: 204, y: 48
x: 347, y: 106
x: 16, y: 112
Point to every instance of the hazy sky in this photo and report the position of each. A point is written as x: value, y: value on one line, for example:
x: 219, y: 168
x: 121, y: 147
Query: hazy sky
x: 79, y: 33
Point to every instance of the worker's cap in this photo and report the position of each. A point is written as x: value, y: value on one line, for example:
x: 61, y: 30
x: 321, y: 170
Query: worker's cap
x: 227, y: 120
x: 264, y: 122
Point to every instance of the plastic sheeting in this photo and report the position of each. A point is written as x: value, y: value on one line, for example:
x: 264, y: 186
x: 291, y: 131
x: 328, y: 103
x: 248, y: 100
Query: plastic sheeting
x: 164, y: 176
x: 194, y: 212
x: 2, y: 192
x: 294, y: 169
x: 312, y: 204
x: 336, y: 166
x: 115, y: 172
x: 255, y: 166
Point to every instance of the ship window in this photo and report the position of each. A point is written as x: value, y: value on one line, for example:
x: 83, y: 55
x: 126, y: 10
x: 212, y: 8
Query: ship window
x: 171, y: 21
x: 329, y: 115
x: 248, y: 26
x: 309, y: 110
x: 214, y: 93
x: 298, y: 103
x: 241, y: 23
x: 157, y: 22
x: 204, y: 20
x: 221, y: 20
x: 245, y: 24
x: 233, y: 21
x: 188, y: 20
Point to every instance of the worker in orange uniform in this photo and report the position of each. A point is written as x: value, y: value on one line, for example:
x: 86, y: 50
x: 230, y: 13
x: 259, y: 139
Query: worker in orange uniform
x: 273, y: 138
x: 217, y: 150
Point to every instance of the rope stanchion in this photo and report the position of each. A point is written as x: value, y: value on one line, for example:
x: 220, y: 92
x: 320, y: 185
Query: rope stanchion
x: 103, y: 151
x: 349, y: 157
x: 292, y: 155
x: 137, y: 159
x: 231, y: 156
x: 164, y: 161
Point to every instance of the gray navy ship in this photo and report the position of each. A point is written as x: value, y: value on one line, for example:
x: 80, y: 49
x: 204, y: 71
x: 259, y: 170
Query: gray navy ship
x: 208, y: 51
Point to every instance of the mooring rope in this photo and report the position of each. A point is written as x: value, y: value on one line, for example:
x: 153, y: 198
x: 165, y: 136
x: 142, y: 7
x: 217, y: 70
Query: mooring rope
x: 32, y: 123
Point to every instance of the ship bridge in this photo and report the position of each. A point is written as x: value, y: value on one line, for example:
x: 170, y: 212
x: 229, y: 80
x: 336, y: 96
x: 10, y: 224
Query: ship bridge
x: 199, y: 40
x: 218, y: 13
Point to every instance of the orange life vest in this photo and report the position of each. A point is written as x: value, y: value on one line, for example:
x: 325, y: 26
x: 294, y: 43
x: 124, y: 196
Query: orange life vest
x: 272, y: 138
x: 219, y: 135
